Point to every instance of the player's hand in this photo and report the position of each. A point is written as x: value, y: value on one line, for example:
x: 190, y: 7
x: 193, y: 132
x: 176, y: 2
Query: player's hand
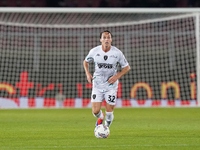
x: 89, y: 77
x: 113, y: 79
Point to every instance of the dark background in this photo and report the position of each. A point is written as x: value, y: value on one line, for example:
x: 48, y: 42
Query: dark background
x: 100, y: 3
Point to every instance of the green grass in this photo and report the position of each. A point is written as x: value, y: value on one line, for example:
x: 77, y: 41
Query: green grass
x: 132, y: 128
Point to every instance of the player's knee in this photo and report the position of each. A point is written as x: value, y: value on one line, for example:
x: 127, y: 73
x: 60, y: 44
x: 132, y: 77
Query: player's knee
x: 109, y: 108
x: 95, y: 112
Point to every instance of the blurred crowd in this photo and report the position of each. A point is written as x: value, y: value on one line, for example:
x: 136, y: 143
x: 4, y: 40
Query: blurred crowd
x: 100, y: 3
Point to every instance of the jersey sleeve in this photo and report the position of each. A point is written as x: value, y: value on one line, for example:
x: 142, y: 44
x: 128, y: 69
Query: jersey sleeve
x: 90, y: 57
x: 122, y: 60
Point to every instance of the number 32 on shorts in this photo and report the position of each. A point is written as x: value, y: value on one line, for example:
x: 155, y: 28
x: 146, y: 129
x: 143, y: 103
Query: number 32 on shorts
x: 111, y: 98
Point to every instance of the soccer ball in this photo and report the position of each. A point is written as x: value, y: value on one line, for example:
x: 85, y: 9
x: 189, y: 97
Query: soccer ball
x: 101, y: 131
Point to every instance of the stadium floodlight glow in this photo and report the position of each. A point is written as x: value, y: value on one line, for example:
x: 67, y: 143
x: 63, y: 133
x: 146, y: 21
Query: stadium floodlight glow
x: 42, y: 50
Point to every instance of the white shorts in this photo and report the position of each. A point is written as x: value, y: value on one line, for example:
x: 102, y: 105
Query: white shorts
x: 109, y: 96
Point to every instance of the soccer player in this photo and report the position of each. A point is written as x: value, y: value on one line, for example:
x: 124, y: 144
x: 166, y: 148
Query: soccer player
x: 105, y: 78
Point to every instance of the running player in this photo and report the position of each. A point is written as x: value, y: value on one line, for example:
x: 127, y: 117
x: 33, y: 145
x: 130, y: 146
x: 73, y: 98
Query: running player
x: 105, y: 78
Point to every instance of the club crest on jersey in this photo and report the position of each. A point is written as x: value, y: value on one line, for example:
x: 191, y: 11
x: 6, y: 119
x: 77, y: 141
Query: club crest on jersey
x: 94, y: 96
x: 105, y: 57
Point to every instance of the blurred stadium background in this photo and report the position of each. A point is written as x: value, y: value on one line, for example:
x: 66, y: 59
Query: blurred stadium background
x: 42, y: 51
x: 99, y: 3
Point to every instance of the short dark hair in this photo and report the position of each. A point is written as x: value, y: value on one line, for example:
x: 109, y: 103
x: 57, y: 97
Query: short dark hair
x: 105, y: 31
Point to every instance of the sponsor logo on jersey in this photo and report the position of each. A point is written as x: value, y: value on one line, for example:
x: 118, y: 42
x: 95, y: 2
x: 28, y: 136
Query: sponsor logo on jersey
x: 105, y: 57
x: 98, y: 55
x: 104, y: 65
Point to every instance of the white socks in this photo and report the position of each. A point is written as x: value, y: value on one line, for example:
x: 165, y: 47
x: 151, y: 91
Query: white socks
x: 99, y: 115
x: 109, y: 118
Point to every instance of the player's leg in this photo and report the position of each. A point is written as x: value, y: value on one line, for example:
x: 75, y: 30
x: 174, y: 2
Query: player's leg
x: 96, y: 100
x: 110, y: 98
x: 97, y: 112
x: 109, y: 114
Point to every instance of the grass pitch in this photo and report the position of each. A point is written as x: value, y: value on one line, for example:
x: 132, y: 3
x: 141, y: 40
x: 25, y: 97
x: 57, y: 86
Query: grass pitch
x: 132, y: 128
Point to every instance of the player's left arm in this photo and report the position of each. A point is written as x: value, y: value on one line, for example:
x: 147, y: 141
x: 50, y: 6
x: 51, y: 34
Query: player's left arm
x: 114, y: 78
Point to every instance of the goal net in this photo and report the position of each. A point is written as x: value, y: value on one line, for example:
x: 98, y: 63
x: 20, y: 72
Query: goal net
x: 41, y: 55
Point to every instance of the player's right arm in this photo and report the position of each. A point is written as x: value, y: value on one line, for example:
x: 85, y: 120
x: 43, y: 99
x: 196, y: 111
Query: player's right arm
x: 88, y: 75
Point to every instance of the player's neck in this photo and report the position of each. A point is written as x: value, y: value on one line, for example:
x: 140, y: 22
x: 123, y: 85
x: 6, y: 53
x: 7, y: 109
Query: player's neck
x: 106, y: 48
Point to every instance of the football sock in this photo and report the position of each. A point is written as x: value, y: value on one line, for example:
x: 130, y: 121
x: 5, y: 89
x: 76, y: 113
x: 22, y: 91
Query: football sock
x: 109, y: 118
x: 99, y: 115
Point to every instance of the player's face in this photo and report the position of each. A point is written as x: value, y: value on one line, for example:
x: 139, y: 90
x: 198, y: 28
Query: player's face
x: 106, y: 39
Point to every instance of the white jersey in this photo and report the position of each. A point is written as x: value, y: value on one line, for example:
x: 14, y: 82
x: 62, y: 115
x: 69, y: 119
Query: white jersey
x: 106, y: 64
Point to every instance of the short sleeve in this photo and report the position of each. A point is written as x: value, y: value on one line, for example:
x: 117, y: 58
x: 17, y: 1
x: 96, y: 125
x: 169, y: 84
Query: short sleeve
x: 122, y: 60
x: 90, y: 57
